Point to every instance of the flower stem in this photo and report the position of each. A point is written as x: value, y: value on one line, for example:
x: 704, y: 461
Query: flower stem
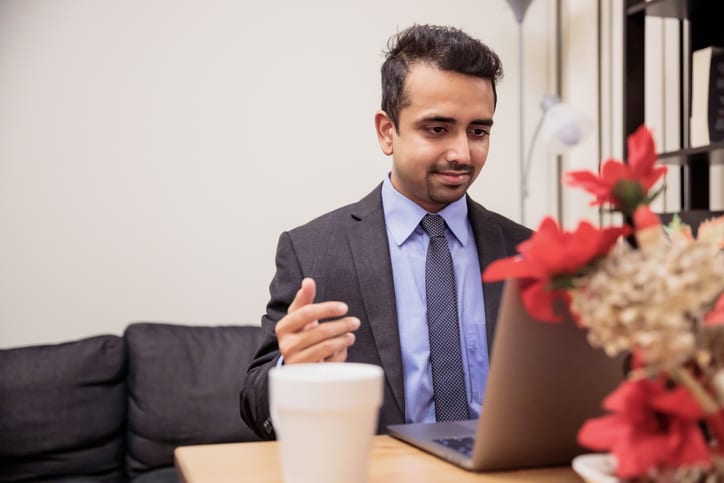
x: 714, y: 413
x: 705, y: 400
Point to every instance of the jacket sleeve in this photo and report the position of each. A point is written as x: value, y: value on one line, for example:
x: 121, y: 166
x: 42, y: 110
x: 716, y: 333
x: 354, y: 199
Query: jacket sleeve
x: 254, y: 396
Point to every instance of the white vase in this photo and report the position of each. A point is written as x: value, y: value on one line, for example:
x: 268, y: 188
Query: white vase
x: 596, y: 468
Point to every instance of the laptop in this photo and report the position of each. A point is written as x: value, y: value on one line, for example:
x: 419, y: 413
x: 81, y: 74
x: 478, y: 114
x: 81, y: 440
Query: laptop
x: 544, y: 381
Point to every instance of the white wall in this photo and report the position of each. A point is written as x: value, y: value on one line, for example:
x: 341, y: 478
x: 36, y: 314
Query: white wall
x: 580, y: 86
x: 151, y: 151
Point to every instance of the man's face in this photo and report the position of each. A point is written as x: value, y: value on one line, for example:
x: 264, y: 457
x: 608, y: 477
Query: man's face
x: 443, y: 137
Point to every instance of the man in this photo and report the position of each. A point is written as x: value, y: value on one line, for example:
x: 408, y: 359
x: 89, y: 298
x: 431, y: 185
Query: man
x: 351, y: 285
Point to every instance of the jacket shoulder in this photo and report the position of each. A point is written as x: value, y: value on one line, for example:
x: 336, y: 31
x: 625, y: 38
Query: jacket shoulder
x: 341, y: 217
x: 513, y: 231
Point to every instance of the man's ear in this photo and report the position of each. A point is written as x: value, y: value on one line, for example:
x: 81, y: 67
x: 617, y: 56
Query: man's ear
x: 385, y: 130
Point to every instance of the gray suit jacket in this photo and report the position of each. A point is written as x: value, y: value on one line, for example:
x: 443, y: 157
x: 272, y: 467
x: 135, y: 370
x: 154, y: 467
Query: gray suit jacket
x: 346, y: 252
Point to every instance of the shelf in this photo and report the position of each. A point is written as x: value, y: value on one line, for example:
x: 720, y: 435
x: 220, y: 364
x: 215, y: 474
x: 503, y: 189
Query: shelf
x: 704, y: 15
x: 699, y: 23
x: 661, y: 8
x: 693, y: 218
x: 702, y: 155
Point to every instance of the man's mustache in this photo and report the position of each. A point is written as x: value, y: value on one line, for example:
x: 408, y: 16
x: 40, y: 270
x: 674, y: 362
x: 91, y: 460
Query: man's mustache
x: 453, y: 167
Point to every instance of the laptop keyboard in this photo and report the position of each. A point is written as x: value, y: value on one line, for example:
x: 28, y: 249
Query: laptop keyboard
x: 462, y: 444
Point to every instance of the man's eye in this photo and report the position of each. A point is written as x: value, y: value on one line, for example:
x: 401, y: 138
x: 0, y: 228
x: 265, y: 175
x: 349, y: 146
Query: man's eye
x: 436, y: 129
x: 478, y: 132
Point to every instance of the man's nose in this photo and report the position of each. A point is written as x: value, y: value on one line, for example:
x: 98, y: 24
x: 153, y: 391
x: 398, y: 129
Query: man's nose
x: 459, y: 149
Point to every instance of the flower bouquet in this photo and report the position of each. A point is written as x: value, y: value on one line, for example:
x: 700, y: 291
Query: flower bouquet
x: 654, y: 292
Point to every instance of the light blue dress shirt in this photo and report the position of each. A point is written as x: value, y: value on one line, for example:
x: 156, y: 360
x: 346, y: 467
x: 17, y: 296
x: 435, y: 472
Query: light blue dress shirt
x: 408, y: 251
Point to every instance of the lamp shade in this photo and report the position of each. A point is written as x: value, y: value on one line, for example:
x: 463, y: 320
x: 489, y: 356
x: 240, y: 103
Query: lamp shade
x: 519, y: 7
x: 563, y: 127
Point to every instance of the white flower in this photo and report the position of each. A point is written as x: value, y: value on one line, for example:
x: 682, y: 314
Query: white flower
x: 652, y: 298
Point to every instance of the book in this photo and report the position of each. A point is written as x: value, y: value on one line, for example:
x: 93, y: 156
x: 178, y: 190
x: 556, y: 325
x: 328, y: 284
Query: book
x: 707, y: 96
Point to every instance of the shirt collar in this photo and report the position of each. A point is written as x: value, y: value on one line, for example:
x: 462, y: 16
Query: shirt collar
x: 403, y: 215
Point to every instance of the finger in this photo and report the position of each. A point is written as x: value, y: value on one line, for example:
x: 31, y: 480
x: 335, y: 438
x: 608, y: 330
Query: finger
x: 322, y: 350
x: 311, y: 325
x: 305, y: 294
x: 291, y: 343
x: 307, y: 315
x: 340, y: 356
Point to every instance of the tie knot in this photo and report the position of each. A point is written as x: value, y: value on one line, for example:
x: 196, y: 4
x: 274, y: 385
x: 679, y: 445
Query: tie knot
x: 434, y: 225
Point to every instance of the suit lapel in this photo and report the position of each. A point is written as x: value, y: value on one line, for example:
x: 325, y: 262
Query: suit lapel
x: 371, y: 255
x: 490, y: 244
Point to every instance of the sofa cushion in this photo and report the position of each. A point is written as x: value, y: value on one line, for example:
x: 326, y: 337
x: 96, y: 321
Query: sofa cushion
x: 163, y: 475
x: 183, y: 384
x: 62, y: 411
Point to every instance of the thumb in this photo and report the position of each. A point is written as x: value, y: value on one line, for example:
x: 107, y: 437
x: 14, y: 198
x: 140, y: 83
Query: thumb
x: 305, y: 295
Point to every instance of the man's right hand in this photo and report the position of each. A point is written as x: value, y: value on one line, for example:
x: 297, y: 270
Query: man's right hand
x: 303, y: 339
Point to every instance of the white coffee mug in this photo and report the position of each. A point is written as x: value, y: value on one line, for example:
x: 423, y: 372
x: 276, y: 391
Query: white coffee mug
x: 325, y: 415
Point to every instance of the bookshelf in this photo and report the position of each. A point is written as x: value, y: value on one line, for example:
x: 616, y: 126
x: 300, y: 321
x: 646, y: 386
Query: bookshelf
x: 704, y: 19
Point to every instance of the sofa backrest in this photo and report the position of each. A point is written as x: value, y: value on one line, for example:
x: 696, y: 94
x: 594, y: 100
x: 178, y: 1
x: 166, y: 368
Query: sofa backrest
x: 103, y: 408
x: 62, y: 410
x: 183, y: 386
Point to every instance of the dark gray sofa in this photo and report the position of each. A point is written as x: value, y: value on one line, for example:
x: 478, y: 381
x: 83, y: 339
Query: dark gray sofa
x: 112, y: 409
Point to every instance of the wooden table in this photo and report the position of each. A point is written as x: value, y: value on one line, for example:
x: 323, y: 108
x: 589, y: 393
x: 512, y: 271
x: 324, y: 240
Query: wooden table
x: 392, y: 462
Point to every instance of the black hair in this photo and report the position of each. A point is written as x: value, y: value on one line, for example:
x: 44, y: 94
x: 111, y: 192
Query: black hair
x: 446, y: 48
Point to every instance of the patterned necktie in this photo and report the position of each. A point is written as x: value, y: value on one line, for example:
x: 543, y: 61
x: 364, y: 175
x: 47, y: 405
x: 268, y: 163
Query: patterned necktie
x: 448, y: 380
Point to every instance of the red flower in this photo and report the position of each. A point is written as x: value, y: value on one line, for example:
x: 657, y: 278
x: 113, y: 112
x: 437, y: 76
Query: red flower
x: 651, y: 427
x: 644, y: 218
x: 549, y: 259
x: 648, y: 227
x: 624, y: 185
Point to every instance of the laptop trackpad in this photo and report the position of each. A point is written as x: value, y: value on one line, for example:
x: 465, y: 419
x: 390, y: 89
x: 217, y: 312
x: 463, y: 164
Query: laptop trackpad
x: 437, y: 430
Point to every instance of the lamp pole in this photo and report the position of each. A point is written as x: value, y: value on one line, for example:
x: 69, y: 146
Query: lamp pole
x: 559, y: 92
x: 521, y: 126
x: 520, y: 7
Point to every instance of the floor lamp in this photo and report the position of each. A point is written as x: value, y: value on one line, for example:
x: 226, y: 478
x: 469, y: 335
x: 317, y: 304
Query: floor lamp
x: 560, y: 126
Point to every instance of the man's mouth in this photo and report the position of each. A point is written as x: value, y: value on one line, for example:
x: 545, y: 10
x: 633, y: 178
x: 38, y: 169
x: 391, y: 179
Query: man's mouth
x: 453, y: 177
